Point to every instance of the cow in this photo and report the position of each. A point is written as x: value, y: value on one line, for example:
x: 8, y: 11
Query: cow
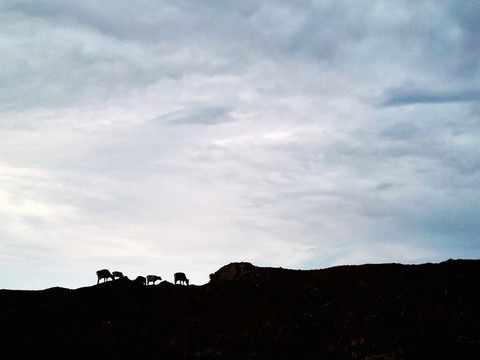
x: 117, y: 274
x: 152, y: 279
x: 181, y: 278
x: 141, y: 280
x: 104, y: 274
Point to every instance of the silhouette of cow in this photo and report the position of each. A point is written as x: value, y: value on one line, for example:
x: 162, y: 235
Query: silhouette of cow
x: 141, y: 280
x: 180, y: 277
x: 117, y: 274
x: 152, y: 279
x: 104, y: 274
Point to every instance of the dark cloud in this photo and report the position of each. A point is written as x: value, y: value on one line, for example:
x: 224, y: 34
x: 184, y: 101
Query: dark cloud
x: 400, y: 131
x: 408, y: 95
x: 466, y: 15
x: 81, y: 52
x: 209, y: 115
x: 384, y: 186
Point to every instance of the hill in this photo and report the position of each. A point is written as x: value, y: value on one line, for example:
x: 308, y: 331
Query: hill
x: 372, y: 311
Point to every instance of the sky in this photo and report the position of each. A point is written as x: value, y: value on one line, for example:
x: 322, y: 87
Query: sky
x: 151, y: 137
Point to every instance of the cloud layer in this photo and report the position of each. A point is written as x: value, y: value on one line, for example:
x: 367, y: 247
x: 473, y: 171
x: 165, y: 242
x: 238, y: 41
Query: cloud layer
x: 154, y: 137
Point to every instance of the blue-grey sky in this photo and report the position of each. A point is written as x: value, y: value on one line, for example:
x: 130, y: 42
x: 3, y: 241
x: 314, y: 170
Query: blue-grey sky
x: 152, y: 137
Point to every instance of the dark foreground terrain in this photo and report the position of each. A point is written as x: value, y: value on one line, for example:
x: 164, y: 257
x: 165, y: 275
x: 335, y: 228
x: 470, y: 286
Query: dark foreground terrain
x: 384, y: 311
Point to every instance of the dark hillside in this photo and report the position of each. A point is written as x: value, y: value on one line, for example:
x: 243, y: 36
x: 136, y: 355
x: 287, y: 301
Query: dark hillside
x: 384, y: 311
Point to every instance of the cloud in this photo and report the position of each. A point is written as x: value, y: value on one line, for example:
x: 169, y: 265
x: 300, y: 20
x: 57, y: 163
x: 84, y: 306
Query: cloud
x: 407, y: 95
x: 400, y: 131
x: 201, y: 116
x: 466, y: 15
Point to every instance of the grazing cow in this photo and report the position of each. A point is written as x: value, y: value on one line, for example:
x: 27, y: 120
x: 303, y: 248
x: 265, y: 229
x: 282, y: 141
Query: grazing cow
x: 104, y: 274
x: 180, y: 277
x: 152, y: 279
x: 141, y: 280
x: 117, y: 274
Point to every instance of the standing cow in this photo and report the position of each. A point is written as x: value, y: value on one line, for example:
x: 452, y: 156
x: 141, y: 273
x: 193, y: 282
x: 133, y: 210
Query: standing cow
x: 152, y: 279
x: 181, y: 278
x: 104, y: 274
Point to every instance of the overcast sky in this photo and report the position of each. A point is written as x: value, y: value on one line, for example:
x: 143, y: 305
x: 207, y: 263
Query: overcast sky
x: 152, y: 137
